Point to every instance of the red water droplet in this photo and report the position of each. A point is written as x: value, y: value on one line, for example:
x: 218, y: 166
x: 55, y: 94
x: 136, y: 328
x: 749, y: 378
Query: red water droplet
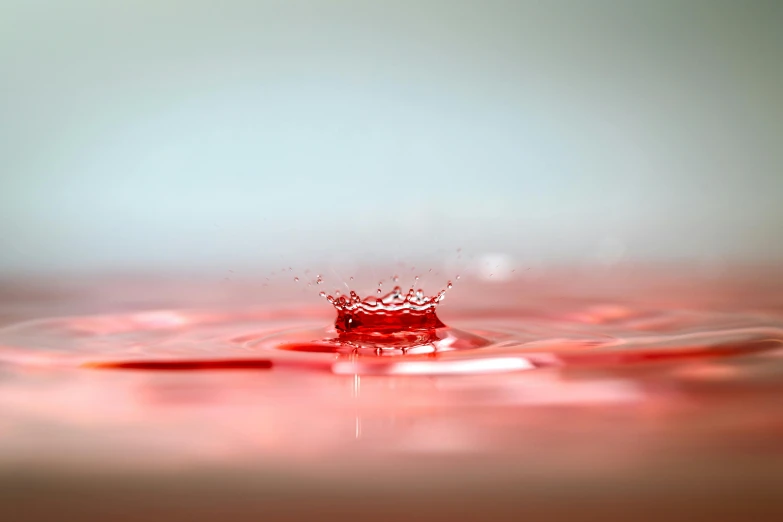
x: 394, y: 313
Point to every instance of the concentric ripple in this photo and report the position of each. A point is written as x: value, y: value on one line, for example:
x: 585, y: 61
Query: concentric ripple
x: 500, y: 340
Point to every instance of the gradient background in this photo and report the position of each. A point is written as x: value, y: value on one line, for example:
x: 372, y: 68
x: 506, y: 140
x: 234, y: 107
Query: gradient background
x: 164, y: 135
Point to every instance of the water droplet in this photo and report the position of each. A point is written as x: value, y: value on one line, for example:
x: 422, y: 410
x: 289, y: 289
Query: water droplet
x: 457, y: 277
x: 396, y: 278
x: 449, y: 285
x: 322, y: 294
x: 296, y: 279
x: 350, y: 278
x: 319, y: 281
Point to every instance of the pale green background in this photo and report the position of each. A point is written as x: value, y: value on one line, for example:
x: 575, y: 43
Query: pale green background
x: 170, y: 134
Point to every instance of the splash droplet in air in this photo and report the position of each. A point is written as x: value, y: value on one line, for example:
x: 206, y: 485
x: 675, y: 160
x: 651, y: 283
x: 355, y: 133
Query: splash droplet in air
x: 395, y: 323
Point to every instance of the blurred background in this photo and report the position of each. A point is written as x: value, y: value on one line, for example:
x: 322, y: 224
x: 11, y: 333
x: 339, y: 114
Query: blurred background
x: 190, y: 135
x: 224, y: 140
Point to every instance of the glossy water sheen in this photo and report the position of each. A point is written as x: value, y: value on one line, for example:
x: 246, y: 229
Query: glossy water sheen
x: 565, y: 372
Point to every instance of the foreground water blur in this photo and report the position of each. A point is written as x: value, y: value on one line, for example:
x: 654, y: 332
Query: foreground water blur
x: 660, y: 387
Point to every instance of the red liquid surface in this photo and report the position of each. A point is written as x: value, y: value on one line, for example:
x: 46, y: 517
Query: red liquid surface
x: 631, y: 380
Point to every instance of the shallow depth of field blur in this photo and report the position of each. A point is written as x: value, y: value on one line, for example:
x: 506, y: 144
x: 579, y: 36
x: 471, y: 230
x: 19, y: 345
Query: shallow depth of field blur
x: 176, y: 176
x: 173, y: 135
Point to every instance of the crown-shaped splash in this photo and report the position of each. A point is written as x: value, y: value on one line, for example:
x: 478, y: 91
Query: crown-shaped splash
x: 387, y: 314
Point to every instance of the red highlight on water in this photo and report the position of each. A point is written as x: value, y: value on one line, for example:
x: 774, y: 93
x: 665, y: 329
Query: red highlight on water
x: 396, y: 323
x: 393, y: 313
